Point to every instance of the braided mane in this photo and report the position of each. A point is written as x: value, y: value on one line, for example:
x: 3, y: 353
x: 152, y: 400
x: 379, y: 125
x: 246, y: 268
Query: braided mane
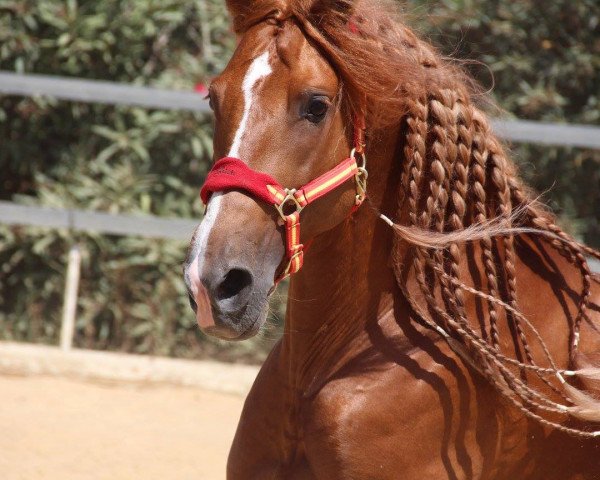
x: 457, y: 186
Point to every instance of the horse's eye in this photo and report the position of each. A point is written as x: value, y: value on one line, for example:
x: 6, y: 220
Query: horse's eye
x: 316, y: 109
x: 210, y: 101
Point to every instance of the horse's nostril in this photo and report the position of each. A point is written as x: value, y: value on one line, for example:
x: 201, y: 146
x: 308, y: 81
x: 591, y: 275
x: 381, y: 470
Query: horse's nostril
x: 193, y: 303
x: 235, y: 282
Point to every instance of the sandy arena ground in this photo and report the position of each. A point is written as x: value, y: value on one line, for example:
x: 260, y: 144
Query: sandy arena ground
x: 60, y: 429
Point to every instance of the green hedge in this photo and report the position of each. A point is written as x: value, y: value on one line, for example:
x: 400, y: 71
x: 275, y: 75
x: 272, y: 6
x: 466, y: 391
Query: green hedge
x: 110, y: 159
x: 137, y: 161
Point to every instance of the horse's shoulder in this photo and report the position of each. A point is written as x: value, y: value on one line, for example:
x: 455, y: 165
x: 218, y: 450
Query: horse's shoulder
x: 539, y: 263
x: 549, y: 285
x: 347, y: 427
x: 356, y: 422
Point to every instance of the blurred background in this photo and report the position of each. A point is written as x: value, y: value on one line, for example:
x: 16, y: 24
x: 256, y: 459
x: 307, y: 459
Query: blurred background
x: 540, y: 64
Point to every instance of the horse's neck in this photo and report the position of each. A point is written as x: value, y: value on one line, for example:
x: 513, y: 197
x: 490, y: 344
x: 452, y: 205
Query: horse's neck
x: 347, y: 281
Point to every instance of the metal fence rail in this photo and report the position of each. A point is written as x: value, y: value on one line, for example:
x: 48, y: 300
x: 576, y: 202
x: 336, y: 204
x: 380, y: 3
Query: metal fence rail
x: 93, y: 91
x: 552, y: 134
x: 104, y: 223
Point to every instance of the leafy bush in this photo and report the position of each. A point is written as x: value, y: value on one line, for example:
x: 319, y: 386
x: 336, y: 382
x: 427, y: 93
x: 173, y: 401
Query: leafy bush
x: 112, y: 159
x: 117, y: 159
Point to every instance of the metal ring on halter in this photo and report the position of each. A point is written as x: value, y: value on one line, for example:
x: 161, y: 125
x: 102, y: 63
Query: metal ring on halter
x: 290, y: 197
x: 363, y: 155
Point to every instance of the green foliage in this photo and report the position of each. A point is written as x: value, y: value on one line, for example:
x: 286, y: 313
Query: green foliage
x: 111, y: 159
x: 544, y: 62
x: 541, y: 61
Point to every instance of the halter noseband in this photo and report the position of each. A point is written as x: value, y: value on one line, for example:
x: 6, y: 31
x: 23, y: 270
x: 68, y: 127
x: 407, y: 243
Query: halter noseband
x: 232, y: 174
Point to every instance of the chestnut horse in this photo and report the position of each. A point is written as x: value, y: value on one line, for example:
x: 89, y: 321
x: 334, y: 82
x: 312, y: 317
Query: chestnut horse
x: 458, y: 343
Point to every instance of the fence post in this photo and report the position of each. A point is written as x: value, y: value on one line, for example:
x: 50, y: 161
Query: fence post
x: 67, y: 329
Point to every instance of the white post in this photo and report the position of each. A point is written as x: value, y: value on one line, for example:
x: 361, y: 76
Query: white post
x: 67, y: 329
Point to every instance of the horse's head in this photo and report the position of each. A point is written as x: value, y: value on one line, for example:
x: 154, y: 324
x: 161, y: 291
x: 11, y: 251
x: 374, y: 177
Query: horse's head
x: 278, y: 109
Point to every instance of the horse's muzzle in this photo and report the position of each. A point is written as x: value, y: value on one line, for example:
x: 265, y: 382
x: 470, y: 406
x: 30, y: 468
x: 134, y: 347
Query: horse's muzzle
x: 231, y: 266
x: 220, y: 300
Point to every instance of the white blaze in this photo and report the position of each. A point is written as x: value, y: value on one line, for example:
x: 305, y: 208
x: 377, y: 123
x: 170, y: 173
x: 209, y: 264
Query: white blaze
x: 259, y: 69
x: 203, y: 232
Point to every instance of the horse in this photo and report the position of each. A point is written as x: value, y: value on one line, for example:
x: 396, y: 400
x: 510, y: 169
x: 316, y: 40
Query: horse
x: 439, y: 324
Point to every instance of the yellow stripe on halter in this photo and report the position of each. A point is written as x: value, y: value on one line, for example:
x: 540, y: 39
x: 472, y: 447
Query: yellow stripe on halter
x: 332, y: 181
x: 276, y: 193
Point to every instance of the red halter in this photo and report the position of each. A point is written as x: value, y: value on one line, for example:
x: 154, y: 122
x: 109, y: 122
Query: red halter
x: 233, y: 174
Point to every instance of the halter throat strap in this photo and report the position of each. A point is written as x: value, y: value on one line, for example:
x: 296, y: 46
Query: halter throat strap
x: 233, y: 174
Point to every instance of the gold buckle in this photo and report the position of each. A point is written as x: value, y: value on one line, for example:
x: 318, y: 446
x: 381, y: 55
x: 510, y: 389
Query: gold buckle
x: 289, y: 197
x: 363, y: 156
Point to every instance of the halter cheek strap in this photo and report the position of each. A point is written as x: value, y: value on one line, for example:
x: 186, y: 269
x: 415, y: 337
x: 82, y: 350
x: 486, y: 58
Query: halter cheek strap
x: 233, y: 174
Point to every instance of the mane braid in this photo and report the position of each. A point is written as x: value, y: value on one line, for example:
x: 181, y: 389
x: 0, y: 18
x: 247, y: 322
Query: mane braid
x: 479, y: 160
x: 457, y: 186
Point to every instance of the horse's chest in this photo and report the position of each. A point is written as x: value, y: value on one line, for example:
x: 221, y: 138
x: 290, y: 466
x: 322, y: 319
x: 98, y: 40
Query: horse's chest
x: 407, y: 420
x: 413, y: 419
